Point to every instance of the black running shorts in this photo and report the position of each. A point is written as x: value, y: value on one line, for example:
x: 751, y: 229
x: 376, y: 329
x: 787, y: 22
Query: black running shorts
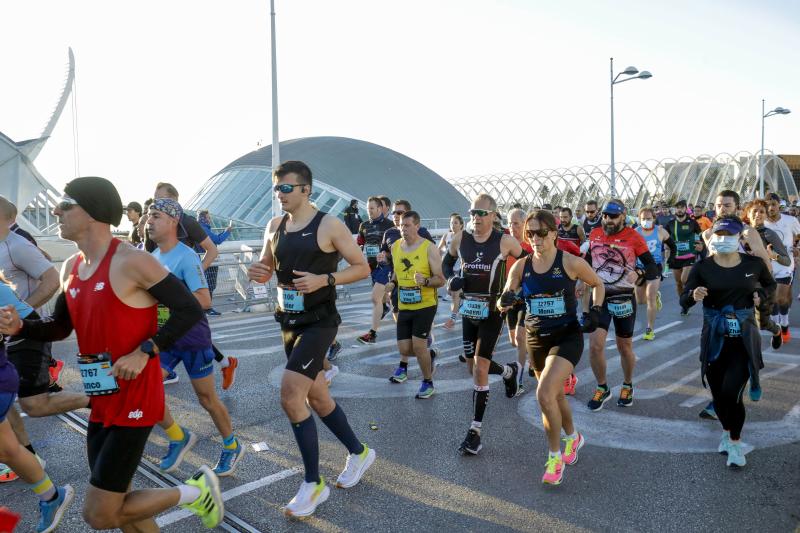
x: 32, y: 361
x: 114, y: 454
x: 415, y: 323
x: 624, y: 315
x: 515, y: 317
x: 480, y: 336
x: 565, y: 342
x: 306, y: 348
x: 678, y: 264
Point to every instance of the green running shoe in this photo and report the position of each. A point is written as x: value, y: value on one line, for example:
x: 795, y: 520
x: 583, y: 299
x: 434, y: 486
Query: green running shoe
x: 209, y: 506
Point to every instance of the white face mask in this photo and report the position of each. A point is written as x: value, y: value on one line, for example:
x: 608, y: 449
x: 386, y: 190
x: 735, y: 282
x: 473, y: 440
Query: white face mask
x: 647, y: 224
x: 723, y: 244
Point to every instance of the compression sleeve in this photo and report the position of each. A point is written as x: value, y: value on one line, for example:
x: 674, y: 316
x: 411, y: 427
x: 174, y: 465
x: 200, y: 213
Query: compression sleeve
x: 184, y: 310
x: 650, y: 266
x: 673, y: 248
x: 448, y: 263
x: 56, y: 327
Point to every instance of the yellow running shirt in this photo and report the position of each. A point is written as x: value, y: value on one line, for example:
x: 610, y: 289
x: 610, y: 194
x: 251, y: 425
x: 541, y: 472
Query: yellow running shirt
x: 411, y: 296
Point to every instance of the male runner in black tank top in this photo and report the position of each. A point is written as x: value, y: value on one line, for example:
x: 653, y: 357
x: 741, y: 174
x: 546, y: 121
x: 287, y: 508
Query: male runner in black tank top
x: 483, y: 255
x: 302, y: 247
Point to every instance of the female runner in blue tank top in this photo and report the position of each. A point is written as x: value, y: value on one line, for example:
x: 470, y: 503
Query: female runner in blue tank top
x: 555, y: 341
x: 648, y: 291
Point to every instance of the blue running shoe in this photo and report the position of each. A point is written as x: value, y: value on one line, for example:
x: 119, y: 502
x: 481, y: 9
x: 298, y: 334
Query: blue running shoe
x: 425, y: 391
x: 709, y: 413
x: 400, y: 375
x: 177, y: 450
x: 755, y: 392
x: 228, y: 460
x: 333, y: 350
x: 171, y: 378
x: 51, y: 513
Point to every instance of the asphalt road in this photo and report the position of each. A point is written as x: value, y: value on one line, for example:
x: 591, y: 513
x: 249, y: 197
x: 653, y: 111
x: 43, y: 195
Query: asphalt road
x: 649, y: 467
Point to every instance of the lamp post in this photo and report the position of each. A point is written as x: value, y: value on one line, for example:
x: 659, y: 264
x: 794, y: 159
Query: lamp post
x: 276, y: 156
x: 633, y: 74
x: 776, y: 111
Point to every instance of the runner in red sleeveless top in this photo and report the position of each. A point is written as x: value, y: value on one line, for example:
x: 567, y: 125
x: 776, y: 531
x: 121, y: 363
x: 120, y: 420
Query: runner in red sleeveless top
x: 109, y: 296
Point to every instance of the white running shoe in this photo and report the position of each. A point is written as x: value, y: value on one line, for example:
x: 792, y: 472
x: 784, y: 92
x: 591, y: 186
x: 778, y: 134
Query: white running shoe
x: 307, y: 499
x: 330, y: 374
x: 355, y: 467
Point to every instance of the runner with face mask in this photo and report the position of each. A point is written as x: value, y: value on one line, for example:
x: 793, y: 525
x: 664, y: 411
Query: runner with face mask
x: 648, y: 292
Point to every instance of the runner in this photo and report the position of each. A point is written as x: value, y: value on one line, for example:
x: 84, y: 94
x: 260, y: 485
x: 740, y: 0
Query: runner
x: 683, y: 230
x: 418, y: 275
x: 593, y: 220
x: 570, y: 230
x: 307, y: 279
x: 482, y: 255
x: 53, y: 501
x: 370, y: 236
x: 194, y: 348
x: 727, y: 284
x: 554, y: 338
x: 456, y: 225
x: 515, y: 316
x: 111, y: 283
x: 613, y: 251
x: 134, y: 213
x: 655, y: 237
x: 788, y: 229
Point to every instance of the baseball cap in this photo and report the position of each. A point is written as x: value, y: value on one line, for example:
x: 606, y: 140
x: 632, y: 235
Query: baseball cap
x: 614, y: 207
x: 732, y: 225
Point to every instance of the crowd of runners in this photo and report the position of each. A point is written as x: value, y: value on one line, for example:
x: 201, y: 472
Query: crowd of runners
x: 549, y: 274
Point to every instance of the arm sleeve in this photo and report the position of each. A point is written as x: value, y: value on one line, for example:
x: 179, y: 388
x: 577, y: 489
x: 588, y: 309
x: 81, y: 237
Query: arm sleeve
x: 650, y: 266
x: 673, y: 249
x: 52, y: 328
x: 778, y: 247
x: 184, y: 310
x: 448, y: 262
x: 694, y: 281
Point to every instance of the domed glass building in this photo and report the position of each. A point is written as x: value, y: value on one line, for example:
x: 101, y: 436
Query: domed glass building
x: 343, y: 169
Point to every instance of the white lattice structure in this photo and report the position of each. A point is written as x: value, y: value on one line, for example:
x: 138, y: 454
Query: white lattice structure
x: 639, y: 183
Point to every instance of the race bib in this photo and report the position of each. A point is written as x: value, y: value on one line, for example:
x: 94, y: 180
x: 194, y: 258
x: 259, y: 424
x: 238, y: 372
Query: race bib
x: 547, y: 307
x: 410, y: 295
x: 683, y: 246
x: 371, y: 250
x: 97, y: 378
x: 621, y: 309
x: 475, y: 309
x: 163, y: 315
x: 734, y: 328
x: 290, y: 300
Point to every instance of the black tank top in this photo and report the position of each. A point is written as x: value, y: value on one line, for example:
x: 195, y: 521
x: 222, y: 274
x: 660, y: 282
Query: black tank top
x: 550, y: 297
x: 299, y: 250
x: 571, y: 235
x: 589, y: 225
x: 481, y: 264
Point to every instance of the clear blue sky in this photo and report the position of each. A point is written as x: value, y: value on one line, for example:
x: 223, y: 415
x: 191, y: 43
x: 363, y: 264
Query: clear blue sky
x: 176, y: 90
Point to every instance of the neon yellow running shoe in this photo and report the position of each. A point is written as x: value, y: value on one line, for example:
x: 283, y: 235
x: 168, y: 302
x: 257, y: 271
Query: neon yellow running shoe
x: 649, y: 335
x: 659, y: 303
x: 209, y: 506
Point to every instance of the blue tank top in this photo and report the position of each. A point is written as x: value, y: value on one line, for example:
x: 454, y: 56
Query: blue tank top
x: 550, y: 297
x: 653, y: 244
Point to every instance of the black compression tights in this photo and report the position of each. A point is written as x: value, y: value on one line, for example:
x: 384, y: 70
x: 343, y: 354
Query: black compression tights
x: 727, y: 377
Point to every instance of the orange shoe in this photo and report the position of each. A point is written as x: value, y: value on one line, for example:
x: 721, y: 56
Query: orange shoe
x: 6, y: 474
x: 56, y: 366
x: 569, y: 385
x: 229, y: 373
x: 786, y: 336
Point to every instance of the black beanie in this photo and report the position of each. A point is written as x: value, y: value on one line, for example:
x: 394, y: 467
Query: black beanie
x: 98, y: 197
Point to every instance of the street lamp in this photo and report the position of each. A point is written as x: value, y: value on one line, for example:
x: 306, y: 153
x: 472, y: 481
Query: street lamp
x: 777, y: 111
x: 633, y: 74
x: 276, y: 146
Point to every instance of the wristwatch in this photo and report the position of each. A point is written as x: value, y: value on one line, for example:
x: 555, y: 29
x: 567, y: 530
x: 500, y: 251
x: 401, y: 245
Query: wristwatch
x: 331, y: 280
x: 149, y: 348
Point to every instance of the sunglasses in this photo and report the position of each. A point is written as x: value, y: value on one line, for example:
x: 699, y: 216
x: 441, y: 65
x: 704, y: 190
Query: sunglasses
x: 612, y: 217
x: 541, y: 233
x: 287, y: 188
x: 66, y: 203
x: 398, y: 212
x: 478, y: 212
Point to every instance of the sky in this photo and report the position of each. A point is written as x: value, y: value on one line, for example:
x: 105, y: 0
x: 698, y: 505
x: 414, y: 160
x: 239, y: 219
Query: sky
x: 176, y: 90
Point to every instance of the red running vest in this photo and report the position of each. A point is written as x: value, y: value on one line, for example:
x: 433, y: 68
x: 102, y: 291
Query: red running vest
x: 103, y: 323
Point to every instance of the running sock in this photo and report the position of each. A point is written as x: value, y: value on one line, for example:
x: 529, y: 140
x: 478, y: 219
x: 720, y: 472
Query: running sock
x: 29, y: 447
x: 476, y: 426
x: 404, y: 365
x: 480, y: 398
x: 229, y: 443
x: 495, y: 368
x: 626, y: 385
x: 785, y: 319
x: 573, y: 436
x: 44, y: 489
x: 175, y: 432
x: 603, y: 386
x: 225, y: 362
x: 305, y: 433
x: 555, y: 454
x: 340, y: 427
x: 189, y: 494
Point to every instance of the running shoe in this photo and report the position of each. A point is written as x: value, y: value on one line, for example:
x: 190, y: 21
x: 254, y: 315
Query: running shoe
x: 229, y: 373
x: 354, y: 468
x: 209, y: 506
x: 777, y: 341
x: 649, y: 335
x: 331, y: 373
x: 755, y: 392
x: 659, y: 302
x: 228, y: 460
x: 385, y: 311
x: 6, y: 474
x: 51, y: 513
x: 171, y: 378
x: 569, y: 385
x: 425, y: 391
x: 553, y: 470
x: 724, y: 443
x: 56, y: 366
x: 333, y: 350
x: 367, y: 338
x: 625, y: 396
x: 307, y: 499
x: 735, y: 455
x: 434, y: 365
x: 571, y: 448
x: 177, y: 450
x: 212, y: 312
x: 472, y: 443
x: 786, y: 336
x: 520, y: 390
x: 511, y: 381
x: 449, y: 323
x: 708, y: 412
x: 601, y: 396
x: 400, y: 375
